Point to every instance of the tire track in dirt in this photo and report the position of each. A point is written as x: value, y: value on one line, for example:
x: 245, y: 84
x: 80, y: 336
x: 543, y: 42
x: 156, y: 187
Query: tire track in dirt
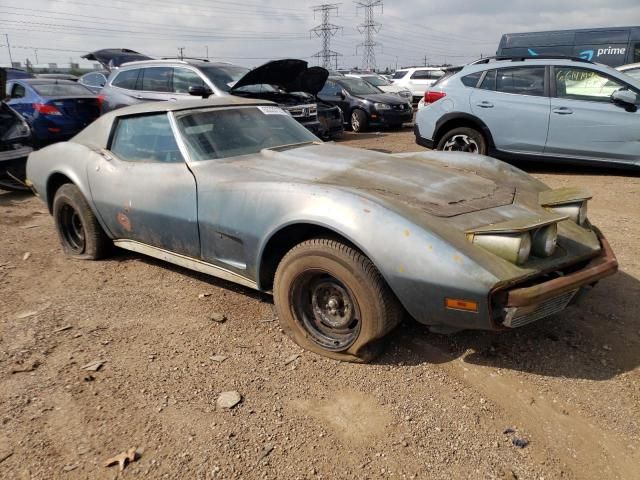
x: 588, y: 450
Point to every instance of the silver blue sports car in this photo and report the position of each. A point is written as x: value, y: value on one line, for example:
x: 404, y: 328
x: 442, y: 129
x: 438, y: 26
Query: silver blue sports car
x: 347, y: 240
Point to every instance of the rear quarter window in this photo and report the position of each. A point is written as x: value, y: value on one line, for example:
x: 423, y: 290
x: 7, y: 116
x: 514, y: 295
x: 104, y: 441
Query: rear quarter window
x: 126, y: 79
x: 399, y: 74
x: 471, y: 80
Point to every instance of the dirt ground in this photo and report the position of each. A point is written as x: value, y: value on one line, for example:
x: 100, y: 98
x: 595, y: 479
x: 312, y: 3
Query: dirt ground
x: 431, y: 407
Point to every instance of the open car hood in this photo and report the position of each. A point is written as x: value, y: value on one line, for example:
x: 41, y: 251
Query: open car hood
x: 114, y: 57
x: 290, y: 75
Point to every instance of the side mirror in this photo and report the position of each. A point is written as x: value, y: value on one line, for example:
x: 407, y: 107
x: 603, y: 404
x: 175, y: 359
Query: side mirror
x: 200, y: 91
x: 626, y: 99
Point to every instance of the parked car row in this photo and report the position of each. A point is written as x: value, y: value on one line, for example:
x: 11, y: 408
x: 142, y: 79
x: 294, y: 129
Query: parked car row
x: 537, y: 108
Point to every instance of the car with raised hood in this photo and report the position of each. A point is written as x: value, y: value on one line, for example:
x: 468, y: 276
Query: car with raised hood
x: 15, y: 143
x: 364, y: 105
x: 55, y: 109
x: 347, y: 240
x: 535, y: 108
x: 288, y: 82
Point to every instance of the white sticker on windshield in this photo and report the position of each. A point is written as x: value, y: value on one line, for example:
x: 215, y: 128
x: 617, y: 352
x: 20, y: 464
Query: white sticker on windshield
x: 269, y: 110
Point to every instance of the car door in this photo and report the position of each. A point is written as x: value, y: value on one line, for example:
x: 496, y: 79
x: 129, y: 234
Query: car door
x: 333, y: 94
x: 156, y: 84
x: 585, y: 122
x: 514, y: 104
x: 142, y: 187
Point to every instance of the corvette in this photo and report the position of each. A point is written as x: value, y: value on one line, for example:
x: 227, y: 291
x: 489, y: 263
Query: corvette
x: 347, y: 240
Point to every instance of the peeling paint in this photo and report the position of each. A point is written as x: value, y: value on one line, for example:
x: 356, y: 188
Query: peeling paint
x: 124, y: 221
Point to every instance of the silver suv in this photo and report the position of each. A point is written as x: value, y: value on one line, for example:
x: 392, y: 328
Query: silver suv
x: 534, y: 108
x: 152, y: 80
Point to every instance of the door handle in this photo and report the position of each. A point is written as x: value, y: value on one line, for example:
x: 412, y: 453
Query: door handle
x: 562, y: 110
x: 485, y: 104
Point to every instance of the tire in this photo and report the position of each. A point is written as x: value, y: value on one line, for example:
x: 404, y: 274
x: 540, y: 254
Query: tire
x: 359, y: 121
x: 332, y: 300
x: 78, y: 229
x: 463, y: 139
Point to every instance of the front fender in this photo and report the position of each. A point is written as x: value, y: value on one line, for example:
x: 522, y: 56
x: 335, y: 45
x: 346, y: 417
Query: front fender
x: 420, y: 267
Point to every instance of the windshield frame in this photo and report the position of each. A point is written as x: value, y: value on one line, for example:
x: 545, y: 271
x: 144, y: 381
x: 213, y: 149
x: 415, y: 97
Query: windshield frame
x: 177, y: 115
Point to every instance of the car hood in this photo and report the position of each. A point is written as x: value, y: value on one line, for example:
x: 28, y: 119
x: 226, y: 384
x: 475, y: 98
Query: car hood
x: 431, y: 186
x: 389, y: 98
x: 290, y: 75
x: 114, y: 57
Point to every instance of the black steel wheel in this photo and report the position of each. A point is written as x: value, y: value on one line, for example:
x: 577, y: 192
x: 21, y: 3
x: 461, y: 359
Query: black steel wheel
x: 332, y: 300
x: 78, y: 229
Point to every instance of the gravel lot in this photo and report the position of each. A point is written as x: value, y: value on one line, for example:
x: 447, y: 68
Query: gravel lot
x: 431, y: 407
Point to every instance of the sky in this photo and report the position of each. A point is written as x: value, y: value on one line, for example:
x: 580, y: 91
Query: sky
x: 252, y: 32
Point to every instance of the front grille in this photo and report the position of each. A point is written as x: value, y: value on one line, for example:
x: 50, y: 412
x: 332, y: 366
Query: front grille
x: 519, y: 316
x: 303, y: 111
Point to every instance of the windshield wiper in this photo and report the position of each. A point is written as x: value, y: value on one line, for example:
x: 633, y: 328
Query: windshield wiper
x: 293, y: 145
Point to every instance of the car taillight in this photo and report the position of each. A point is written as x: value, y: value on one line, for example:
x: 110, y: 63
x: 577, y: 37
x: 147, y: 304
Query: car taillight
x: 100, y: 101
x: 46, y: 109
x: 431, y: 96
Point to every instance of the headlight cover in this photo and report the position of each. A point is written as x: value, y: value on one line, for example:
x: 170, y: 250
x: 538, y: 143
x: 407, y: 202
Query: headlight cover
x: 545, y: 241
x: 382, y: 106
x: 514, y: 247
x: 576, y: 211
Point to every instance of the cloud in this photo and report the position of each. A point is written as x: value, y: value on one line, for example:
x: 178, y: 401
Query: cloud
x: 254, y: 31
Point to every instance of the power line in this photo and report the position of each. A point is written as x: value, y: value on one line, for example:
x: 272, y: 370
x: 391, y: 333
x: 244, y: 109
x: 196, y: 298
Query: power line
x: 368, y: 28
x: 325, y: 31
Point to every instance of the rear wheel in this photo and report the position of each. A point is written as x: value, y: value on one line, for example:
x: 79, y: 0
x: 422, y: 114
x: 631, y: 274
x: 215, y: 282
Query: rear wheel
x: 78, y: 229
x: 332, y: 300
x: 359, y: 121
x: 463, y: 139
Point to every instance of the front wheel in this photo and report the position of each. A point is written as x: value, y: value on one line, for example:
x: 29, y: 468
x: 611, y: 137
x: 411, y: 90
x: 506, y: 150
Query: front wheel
x: 78, y: 229
x: 358, y: 121
x: 463, y: 139
x: 332, y: 300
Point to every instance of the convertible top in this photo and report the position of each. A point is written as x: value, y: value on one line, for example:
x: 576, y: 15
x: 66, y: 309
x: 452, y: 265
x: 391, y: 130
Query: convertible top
x: 97, y: 133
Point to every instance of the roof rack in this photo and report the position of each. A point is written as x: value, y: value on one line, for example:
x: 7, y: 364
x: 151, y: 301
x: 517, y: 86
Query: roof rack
x: 522, y: 58
x: 186, y: 58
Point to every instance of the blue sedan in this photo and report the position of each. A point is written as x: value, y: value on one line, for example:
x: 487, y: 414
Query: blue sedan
x: 56, y: 109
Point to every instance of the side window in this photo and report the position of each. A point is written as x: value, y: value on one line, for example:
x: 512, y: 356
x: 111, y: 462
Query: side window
x: 636, y: 53
x: 585, y: 84
x: 421, y: 75
x: 331, y: 89
x: 471, y: 80
x: 183, y: 78
x: 157, y: 79
x: 126, y: 79
x: 89, y: 79
x: 521, y: 81
x: 147, y: 138
x: 101, y: 80
x: 489, y: 81
x: 18, y: 91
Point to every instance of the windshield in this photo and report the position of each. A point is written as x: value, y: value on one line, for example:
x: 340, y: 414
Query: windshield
x: 377, y: 81
x: 357, y: 86
x: 230, y: 132
x: 61, y: 89
x: 224, y: 76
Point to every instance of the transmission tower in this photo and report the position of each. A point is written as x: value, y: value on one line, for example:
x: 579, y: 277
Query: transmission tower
x: 368, y: 28
x: 325, y: 31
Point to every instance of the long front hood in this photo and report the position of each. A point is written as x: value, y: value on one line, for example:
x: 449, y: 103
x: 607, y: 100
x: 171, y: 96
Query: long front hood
x: 433, y: 187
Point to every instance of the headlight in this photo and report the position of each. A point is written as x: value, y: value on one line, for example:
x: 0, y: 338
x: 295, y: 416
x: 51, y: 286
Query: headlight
x: 514, y: 247
x: 405, y: 93
x: 545, y: 240
x: 575, y: 211
x: 382, y: 106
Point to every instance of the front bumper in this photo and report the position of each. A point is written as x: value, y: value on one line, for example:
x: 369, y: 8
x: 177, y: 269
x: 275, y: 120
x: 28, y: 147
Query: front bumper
x: 391, y: 117
x: 522, y: 305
